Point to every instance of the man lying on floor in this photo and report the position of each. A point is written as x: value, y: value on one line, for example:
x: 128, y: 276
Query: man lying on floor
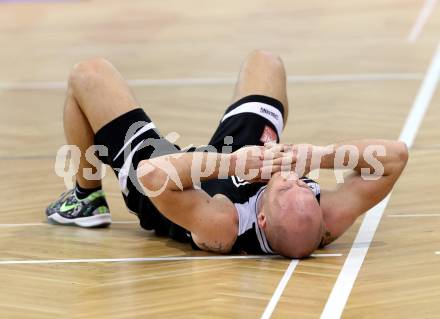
x: 244, y: 193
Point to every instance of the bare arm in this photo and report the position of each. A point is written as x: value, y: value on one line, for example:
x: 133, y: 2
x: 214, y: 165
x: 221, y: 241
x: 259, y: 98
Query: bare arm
x: 171, y: 184
x: 168, y: 183
x: 376, y: 165
x: 366, y: 186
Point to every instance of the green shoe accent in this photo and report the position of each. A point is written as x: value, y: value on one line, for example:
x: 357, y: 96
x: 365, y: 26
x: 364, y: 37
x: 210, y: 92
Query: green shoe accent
x: 65, y: 207
x: 94, y: 195
x: 102, y: 210
x: 91, y: 211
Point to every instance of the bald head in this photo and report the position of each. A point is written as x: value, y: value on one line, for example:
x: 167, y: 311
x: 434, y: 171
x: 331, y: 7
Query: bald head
x: 293, y: 221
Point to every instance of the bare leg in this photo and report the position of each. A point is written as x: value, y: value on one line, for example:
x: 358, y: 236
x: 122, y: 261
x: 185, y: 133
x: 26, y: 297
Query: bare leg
x: 96, y: 95
x: 263, y: 73
x: 78, y: 132
x: 101, y: 92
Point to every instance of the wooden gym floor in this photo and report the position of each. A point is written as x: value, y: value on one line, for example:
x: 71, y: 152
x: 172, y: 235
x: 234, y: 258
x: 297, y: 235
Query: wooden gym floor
x: 355, y: 71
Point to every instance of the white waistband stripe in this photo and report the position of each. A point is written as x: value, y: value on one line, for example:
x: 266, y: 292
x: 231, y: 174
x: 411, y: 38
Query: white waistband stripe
x: 267, y: 111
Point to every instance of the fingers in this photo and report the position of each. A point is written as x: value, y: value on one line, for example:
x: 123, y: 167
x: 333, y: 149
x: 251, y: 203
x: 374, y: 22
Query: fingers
x: 283, y: 158
x: 269, y: 168
x: 267, y: 160
x: 287, y: 172
x: 268, y: 145
x: 266, y: 172
x: 275, y: 158
x: 276, y: 152
x: 274, y: 147
x: 280, y: 148
x: 269, y: 155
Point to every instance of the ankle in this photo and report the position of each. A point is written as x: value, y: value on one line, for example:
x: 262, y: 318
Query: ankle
x: 83, y: 192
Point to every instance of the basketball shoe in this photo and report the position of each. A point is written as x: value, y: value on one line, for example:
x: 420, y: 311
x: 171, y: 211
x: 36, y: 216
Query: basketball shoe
x: 91, y: 211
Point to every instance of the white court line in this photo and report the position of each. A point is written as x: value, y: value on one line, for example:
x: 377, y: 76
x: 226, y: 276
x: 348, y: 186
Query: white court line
x: 422, y: 101
x: 148, y: 259
x: 437, y: 252
x: 326, y: 255
x: 323, y: 78
x: 279, y: 291
x: 345, y: 281
x: 326, y: 78
x: 420, y: 22
x: 49, y: 224
x: 23, y: 225
x: 412, y: 215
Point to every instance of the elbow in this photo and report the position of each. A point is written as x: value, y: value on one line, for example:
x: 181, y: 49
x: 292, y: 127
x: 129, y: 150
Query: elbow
x: 402, y: 153
x: 147, y: 174
x: 399, y: 158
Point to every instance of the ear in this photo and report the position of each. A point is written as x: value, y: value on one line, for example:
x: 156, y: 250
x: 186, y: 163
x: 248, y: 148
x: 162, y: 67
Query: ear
x: 261, y: 218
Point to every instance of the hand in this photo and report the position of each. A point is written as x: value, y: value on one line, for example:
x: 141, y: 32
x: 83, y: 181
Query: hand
x: 301, y: 155
x: 259, y: 163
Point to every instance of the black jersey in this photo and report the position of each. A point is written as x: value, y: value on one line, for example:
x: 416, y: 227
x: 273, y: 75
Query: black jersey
x: 132, y: 137
x: 245, y: 196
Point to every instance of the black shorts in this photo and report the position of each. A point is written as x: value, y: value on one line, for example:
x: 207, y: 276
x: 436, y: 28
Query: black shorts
x: 132, y: 137
x: 252, y: 120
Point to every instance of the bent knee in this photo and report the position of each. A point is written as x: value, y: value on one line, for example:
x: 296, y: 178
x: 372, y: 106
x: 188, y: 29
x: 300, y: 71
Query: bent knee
x: 89, y: 72
x: 266, y: 57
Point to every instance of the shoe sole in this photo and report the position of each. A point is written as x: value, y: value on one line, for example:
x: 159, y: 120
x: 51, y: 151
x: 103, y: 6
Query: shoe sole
x: 100, y: 220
